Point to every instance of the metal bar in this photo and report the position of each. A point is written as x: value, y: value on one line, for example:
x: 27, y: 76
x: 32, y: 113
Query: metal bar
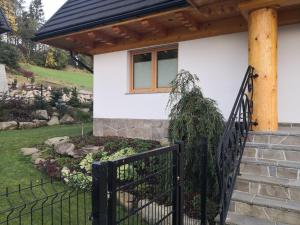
x: 181, y: 161
x: 175, y: 194
x: 112, y: 199
x: 99, y: 193
x: 203, y: 147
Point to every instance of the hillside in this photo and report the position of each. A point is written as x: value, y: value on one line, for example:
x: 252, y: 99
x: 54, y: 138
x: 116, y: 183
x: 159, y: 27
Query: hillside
x: 59, y: 78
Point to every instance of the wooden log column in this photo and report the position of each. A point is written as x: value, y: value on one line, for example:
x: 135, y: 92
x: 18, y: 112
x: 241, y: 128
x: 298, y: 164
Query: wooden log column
x: 263, y: 39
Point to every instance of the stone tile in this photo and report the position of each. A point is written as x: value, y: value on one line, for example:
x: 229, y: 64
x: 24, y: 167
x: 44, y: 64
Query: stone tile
x: 292, y: 140
x: 254, y: 187
x: 282, y: 216
x: 250, y: 210
x: 287, y: 173
x: 250, y: 152
x: 292, y: 156
x: 261, y: 139
x: 273, y: 171
x: 277, y: 139
x: 273, y: 191
x: 254, y: 169
x: 272, y: 154
x: 295, y: 194
x: 250, y: 138
x: 242, y: 185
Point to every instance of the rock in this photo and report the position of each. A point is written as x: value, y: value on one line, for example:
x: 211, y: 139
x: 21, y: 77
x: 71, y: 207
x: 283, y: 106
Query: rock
x: 91, y: 149
x: 67, y: 119
x: 35, y: 156
x: 42, y: 114
x: 29, y: 151
x: 86, y: 110
x: 53, y: 121
x: 125, y: 199
x: 40, y: 123
x: 65, y: 149
x: 11, y: 125
x: 55, y: 114
x: 164, y: 142
x: 39, y: 161
x: 57, y: 140
x: 26, y: 125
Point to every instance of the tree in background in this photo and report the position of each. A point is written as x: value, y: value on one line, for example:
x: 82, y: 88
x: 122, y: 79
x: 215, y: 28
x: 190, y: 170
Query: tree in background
x: 50, y: 59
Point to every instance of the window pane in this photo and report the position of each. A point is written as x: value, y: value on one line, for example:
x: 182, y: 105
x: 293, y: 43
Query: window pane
x: 167, y: 67
x: 142, y: 70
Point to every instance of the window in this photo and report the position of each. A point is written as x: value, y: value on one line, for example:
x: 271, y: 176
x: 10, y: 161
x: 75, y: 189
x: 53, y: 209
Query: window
x: 153, y: 70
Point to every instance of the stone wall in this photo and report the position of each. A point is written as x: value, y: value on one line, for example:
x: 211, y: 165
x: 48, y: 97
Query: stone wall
x: 132, y: 128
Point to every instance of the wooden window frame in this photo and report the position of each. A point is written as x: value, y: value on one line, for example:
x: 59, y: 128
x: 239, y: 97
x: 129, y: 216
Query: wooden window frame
x: 154, y: 75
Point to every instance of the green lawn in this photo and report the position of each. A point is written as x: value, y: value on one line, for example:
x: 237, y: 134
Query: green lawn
x: 78, y: 79
x: 62, y: 206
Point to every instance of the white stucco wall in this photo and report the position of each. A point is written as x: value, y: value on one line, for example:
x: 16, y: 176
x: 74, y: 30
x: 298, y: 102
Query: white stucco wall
x: 220, y: 63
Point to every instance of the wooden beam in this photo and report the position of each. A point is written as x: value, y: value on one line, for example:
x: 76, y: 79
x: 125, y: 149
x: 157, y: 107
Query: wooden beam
x: 187, y: 21
x: 263, y: 35
x: 193, y: 4
x: 225, y: 26
x: 126, y: 33
x: 102, y: 38
x: 154, y: 27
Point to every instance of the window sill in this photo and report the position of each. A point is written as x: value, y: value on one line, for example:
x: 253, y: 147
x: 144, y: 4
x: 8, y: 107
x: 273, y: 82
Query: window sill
x: 156, y: 91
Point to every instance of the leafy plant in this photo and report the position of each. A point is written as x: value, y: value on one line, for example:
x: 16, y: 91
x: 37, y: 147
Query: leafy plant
x: 192, y: 116
x: 74, y: 100
x: 55, y: 95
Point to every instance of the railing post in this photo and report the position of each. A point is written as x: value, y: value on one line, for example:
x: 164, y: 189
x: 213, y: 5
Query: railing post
x: 203, y: 147
x: 99, y: 194
x: 180, y: 184
x: 112, y: 198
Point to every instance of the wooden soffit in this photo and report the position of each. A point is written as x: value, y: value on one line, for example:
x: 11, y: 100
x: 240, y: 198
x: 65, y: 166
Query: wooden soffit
x: 203, y: 18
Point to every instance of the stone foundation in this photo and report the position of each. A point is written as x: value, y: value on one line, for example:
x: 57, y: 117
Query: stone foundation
x: 132, y: 128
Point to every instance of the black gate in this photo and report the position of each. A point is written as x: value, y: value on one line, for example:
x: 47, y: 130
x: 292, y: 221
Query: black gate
x: 146, y: 188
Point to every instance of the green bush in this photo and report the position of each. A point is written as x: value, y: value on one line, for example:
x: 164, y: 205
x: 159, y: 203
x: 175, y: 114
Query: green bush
x: 74, y: 100
x: 9, y: 55
x: 192, y: 116
x: 55, y: 95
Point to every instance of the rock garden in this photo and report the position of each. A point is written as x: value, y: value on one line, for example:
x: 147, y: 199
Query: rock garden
x: 32, y: 107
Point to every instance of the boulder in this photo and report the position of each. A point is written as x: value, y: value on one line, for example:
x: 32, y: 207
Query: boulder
x: 10, y: 125
x: 35, y: 156
x: 26, y: 125
x: 29, y: 151
x: 65, y: 149
x: 55, y: 114
x: 57, y: 140
x: 40, y: 123
x: 39, y: 161
x: 42, y: 114
x: 67, y: 119
x: 164, y: 142
x: 53, y: 121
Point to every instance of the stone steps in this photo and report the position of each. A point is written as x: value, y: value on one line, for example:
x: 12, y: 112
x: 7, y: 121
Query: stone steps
x: 237, y: 219
x: 265, y: 208
x: 282, y: 188
x: 268, y: 190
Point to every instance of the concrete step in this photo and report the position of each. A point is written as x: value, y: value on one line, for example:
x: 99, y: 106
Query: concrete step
x: 270, y: 168
x: 282, y: 188
x: 266, y: 208
x: 272, y: 152
x: 282, y: 138
x: 237, y: 219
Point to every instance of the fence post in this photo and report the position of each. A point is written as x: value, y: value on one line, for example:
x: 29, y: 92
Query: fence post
x: 180, y: 184
x: 112, y: 198
x: 99, y: 194
x: 203, y: 147
x: 176, y: 179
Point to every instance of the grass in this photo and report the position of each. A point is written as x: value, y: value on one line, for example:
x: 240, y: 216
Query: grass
x: 68, y: 207
x: 79, y: 79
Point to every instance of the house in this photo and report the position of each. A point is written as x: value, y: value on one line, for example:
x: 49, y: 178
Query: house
x: 139, y: 46
x: 4, y: 27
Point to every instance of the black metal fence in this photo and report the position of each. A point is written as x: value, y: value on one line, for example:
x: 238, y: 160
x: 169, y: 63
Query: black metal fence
x: 147, y: 188
x: 46, y: 202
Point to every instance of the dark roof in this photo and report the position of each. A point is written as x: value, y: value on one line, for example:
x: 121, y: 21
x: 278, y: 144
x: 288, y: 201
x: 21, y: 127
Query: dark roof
x: 4, y: 27
x: 77, y: 15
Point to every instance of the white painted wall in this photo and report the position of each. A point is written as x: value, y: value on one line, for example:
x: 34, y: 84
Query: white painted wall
x: 220, y: 62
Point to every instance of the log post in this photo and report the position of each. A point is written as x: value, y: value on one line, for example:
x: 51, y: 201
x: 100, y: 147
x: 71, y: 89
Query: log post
x: 263, y: 39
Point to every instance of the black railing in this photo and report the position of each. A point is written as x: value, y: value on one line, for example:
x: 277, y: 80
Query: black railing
x: 46, y: 202
x: 233, y: 141
x: 146, y: 188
